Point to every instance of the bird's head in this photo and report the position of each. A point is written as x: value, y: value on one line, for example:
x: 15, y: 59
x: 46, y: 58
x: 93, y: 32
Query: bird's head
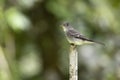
x: 65, y: 26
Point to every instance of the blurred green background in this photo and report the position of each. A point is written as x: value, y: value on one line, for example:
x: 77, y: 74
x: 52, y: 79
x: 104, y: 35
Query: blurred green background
x: 34, y: 47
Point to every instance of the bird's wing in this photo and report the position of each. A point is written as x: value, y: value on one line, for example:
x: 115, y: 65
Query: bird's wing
x: 76, y: 34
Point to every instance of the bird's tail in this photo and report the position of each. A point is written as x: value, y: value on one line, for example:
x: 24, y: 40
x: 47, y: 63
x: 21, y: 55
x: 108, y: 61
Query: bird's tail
x: 95, y: 42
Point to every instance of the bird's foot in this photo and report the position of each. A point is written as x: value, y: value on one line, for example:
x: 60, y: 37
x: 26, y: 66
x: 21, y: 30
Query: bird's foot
x: 73, y: 45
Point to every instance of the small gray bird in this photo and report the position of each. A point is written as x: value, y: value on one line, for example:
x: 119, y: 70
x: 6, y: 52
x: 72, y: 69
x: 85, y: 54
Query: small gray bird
x: 74, y: 37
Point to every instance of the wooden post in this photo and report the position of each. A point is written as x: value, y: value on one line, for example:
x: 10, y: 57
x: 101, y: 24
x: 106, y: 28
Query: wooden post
x: 73, y: 64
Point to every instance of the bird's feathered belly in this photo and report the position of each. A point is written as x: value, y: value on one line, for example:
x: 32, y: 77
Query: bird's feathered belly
x: 77, y: 41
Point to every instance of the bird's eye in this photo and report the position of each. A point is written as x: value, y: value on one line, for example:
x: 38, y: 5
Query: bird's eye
x: 67, y: 24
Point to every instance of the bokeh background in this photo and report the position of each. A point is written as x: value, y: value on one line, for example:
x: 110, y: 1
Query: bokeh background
x: 34, y: 47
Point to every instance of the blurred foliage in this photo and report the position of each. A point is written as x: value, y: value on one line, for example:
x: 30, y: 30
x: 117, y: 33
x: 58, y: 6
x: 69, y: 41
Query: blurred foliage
x: 33, y: 46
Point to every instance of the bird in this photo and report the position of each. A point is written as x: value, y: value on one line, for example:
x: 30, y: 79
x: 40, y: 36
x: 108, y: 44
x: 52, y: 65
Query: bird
x: 74, y: 37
